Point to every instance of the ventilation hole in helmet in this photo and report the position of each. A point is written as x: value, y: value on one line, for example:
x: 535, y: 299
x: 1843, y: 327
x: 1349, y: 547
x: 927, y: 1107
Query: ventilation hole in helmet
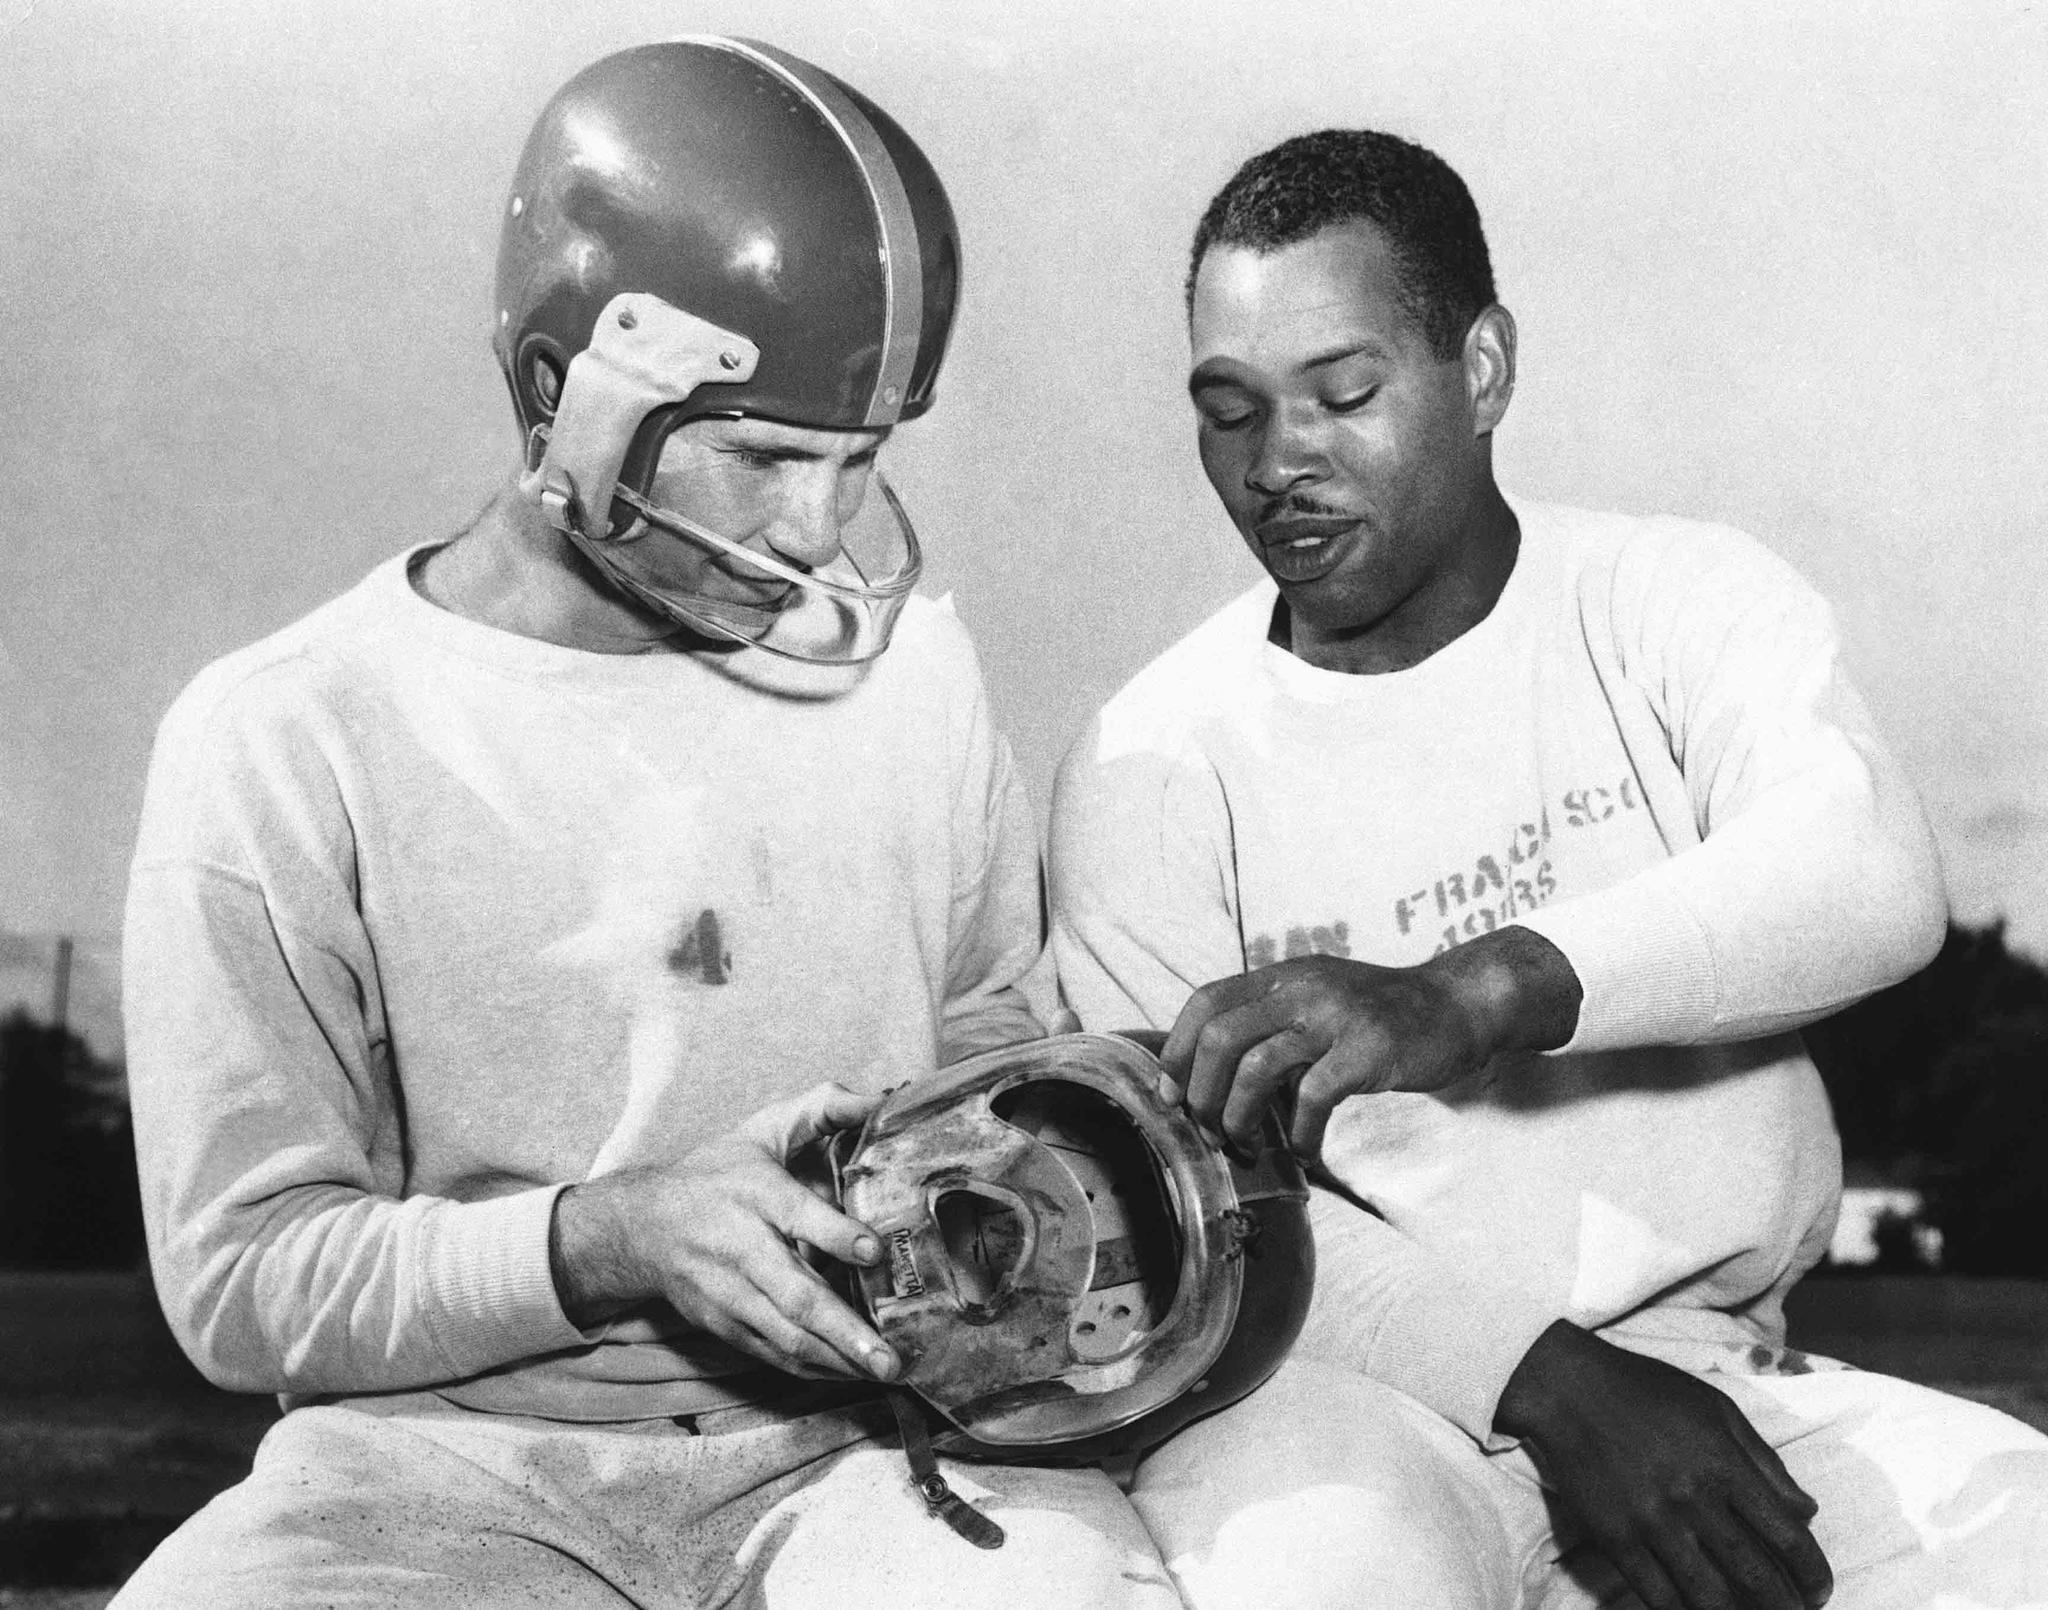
x: 983, y: 1239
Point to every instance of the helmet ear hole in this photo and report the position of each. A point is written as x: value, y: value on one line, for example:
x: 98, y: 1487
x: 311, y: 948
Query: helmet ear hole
x: 538, y: 372
x: 547, y: 381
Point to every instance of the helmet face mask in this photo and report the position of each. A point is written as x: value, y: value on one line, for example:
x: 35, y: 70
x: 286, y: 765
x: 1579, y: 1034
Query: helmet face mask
x: 726, y: 230
x: 724, y: 590
x: 1074, y: 1270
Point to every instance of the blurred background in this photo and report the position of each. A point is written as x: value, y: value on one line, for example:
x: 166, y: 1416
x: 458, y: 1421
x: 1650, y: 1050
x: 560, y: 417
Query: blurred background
x: 1776, y: 266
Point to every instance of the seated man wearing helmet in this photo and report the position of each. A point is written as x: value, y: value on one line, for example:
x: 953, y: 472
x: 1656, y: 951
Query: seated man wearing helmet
x: 1505, y: 848
x: 498, y: 932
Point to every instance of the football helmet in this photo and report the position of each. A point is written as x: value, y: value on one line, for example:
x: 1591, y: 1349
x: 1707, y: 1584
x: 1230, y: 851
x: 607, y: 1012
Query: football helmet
x: 1074, y: 1270
x: 713, y: 227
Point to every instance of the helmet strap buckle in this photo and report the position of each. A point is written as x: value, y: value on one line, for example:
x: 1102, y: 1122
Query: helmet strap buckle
x: 940, y: 1501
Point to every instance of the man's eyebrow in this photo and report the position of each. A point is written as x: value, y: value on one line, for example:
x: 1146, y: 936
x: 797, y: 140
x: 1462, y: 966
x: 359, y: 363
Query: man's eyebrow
x: 798, y: 453
x: 1351, y: 349
x: 1207, y: 375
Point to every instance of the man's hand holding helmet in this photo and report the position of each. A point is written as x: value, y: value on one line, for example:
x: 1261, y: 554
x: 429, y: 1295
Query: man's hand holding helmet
x: 1331, y: 1028
x: 712, y: 1234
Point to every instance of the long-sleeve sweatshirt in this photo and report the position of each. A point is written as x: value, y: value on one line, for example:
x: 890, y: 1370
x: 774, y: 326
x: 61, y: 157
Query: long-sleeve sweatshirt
x: 428, y: 919
x: 1646, y: 752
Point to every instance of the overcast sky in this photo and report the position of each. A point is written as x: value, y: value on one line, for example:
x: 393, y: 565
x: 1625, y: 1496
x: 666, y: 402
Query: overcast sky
x: 1781, y: 266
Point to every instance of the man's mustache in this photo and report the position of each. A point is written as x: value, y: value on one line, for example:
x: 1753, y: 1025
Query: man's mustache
x: 1297, y: 503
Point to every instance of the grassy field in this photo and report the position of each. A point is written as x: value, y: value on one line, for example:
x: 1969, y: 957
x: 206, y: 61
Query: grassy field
x: 108, y: 1438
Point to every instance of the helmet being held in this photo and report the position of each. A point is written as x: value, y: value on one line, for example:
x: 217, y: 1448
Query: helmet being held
x: 711, y: 227
x: 1073, y: 1269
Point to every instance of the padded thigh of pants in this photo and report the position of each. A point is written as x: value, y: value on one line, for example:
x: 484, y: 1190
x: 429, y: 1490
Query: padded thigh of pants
x: 1925, y: 1499
x: 450, y: 1508
x: 1342, y: 1492
x: 861, y: 1537
x: 1324, y: 1488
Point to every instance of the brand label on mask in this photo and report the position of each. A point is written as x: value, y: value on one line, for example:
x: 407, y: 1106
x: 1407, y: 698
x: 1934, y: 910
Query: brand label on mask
x: 902, y: 1270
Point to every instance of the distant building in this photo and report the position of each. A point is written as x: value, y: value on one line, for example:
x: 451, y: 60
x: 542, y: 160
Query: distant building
x: 90, y: 985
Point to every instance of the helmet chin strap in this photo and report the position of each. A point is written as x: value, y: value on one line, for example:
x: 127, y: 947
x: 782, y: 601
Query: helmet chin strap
x: 940, y: 1501
x: 646, y: 354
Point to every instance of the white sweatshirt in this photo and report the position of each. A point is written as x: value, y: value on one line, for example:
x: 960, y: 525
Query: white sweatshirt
x: 427, y: 919
x: 1646, y: 752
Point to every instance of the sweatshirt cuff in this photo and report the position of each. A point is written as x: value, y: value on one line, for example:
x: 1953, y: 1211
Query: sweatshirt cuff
x: 1451, y: 1344
x: 495, y: 1292
x: 1644, y: 963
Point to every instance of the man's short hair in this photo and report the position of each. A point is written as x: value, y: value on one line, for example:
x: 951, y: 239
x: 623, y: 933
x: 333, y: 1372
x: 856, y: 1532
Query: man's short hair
x: 1335, y: 176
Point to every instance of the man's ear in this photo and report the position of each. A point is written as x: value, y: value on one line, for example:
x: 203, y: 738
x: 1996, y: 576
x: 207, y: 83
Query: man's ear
x: 1490, y: 367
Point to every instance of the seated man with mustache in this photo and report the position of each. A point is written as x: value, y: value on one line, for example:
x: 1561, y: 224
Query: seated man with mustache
x: 1508, y: 847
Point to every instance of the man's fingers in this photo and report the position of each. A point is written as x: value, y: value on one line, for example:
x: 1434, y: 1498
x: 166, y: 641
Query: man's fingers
x: 1261, y: 1073
x: 1761, y: 1454
x: 800, y: 1294
x: 809, y: 1218
x: 1222, y: 1045
x: 1698, y: 1579
x: 1790, y: 1542
x: 1177, y: 1056
x: 769, y: 1334
x: 1315, y: 1100
x: 814, y: 1311
x: 728, y: 1320
x: 1640, y: 1569
x: 762, y: 1298
x: 822, y: 1110
x: 1779, y: 1520
x: 1753, y: 1573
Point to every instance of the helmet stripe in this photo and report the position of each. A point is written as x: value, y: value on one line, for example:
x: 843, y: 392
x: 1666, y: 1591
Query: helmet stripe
x: 896, y: 224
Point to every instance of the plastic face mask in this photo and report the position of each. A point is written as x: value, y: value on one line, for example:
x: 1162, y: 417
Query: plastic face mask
x: 841, y: 613
x: 644, y: 357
